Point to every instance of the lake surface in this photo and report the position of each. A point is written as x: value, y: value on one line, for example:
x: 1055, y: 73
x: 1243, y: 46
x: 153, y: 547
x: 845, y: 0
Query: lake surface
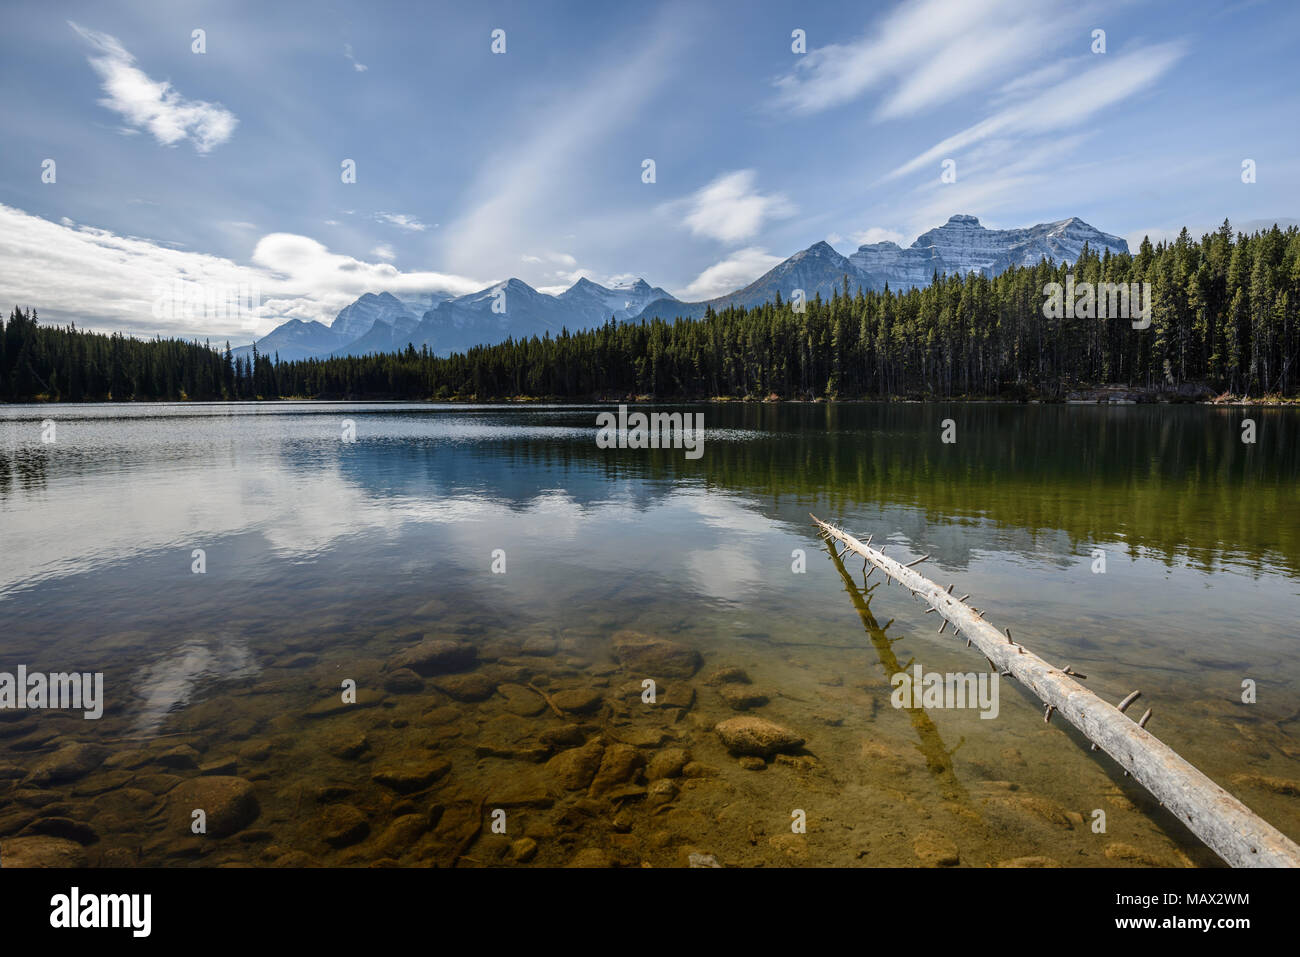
x: 327, y: 560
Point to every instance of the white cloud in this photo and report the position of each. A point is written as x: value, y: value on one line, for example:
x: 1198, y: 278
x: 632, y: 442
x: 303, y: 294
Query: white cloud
x: 102, y: 280
x: 876, y: 234
x: 152, y: 104
x: 926, y: 53
x: 1069, y: 103
x: 731, y: 209
x: 537, y: 176
x: 739, y: 269
x: 347, y: 52
x: 383, y: 251
x: 402, y: 221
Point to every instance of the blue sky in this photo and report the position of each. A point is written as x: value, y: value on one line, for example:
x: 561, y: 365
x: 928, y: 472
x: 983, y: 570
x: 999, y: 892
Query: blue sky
x: 224, y: 167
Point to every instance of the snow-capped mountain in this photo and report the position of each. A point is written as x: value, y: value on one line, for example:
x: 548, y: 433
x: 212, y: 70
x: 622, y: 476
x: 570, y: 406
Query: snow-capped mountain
x: 622, y: 301
x: 962, y: 245
x: 513, y: 309
x: 357, y: 319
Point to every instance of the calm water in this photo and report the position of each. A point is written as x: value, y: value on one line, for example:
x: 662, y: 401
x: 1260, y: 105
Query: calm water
x: 325, y: 559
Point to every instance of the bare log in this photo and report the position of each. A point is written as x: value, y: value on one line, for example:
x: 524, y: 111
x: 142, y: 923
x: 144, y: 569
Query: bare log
x: 1224, y: 824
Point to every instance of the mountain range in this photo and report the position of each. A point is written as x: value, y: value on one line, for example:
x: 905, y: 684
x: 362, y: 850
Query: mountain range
x: 383, y: 323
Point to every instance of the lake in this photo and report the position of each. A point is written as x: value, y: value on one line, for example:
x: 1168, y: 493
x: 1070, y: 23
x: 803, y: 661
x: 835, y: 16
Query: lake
x: 498, y: 590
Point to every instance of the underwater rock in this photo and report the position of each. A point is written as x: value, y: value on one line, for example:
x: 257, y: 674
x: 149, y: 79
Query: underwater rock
x: 407, y: 777
x: 180, y: 758
x: 655, y: 657
x: 662, y: 791
x: 539, y: 646
x: 575, y: 768
x: 63, y: 827
x: 523, y: 850
x: 521, y: 700
x: 1032, y: 861
x: 334, y: 704
x: 591, y: 857
x: 723, y: 676
x: 752, y: 763
x: 469, y: 687
x: 68, y: 763
x: 933, y: 849
x: 342, y: 825
x: 229, y: 803
x: 1276, y: 785
x: 620, y: 764
x: 403, y: 681
x: 577, y: 701
x: 756, y: 736
x: 566, y: 736
x: 402, y: 834
x: 667, y: 763
x: 435, y: 656
x: 41, y: 851
x: 742, y: 697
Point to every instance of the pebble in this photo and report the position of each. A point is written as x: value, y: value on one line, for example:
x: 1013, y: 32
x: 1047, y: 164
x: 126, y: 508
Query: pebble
x: 577, y: 701
x: 41, y: 851
x: 523, y: 850
x: 935, y: 850
x: 403, y: 681
x: 620, y: 764
x: 229, y: 803
x: 470, y: 687
x: 742, y: 697
x: 435, y: 656
x: 756, y: 736
x: 342, y: 825
x: 68, y: 763
x: 655, y: 657
x: 406, y: 777
x: 575, y: 768
x: 521, y: 700
x: 667, y: 763
x: 722, y: 676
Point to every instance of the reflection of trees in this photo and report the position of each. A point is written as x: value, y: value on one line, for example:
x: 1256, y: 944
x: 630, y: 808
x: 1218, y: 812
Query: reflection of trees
x: 938, y: 756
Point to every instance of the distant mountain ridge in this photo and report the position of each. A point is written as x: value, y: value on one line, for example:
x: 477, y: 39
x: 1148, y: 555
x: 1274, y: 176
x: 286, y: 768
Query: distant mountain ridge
x: 383, y: 323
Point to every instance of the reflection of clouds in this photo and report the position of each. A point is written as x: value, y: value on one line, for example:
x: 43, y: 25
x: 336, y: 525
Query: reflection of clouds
x: 726, y: 572
x: 169, y: 684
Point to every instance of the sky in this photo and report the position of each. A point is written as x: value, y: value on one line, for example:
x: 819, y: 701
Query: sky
x: 132, y: 162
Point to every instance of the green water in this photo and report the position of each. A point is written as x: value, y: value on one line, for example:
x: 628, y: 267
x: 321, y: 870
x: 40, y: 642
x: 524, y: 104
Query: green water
x: 325, y: 559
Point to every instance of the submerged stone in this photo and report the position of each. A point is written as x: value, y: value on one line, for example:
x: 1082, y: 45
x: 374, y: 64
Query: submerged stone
x: 756, y: 736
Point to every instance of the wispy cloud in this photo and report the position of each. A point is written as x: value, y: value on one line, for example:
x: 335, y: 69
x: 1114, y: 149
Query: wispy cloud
x: 1069, y: 103
x: 739, y: 269
x: 154, y: 105
x: 402, y: 221
x: 731, y: 209
x: 536, y: 177
x: 347, y: 52
x: 924, y: 53
x: 384, y: 251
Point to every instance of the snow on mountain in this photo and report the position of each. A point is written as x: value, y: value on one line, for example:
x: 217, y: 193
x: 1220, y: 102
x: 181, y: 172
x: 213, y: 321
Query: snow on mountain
x: 356, y: 320
x: 962, y: 245
x: 513, y: 309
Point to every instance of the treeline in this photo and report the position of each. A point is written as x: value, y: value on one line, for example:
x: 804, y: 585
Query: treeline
x: 65, y: 364
x: 1223, y: 314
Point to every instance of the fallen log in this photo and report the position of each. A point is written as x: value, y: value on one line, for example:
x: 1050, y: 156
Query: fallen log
x: 1224, y: 824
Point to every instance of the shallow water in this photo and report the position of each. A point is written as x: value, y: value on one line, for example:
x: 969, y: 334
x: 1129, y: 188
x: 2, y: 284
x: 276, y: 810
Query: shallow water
x: 325, y: 559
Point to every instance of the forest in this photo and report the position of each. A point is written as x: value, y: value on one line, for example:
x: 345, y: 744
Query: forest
x: 1223, y: 318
